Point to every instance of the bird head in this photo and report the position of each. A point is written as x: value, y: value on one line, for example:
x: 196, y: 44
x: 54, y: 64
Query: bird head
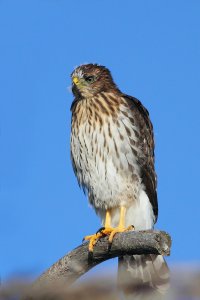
x: 91, y: 79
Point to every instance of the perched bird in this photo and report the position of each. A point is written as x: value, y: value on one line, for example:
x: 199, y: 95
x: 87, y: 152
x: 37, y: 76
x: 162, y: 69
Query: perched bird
x: 112, y: 152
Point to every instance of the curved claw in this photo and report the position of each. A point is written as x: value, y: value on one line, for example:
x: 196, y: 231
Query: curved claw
x: 92, y: 240
x: 90, y: 255
x: 102, y: 232
x: 100, y: 229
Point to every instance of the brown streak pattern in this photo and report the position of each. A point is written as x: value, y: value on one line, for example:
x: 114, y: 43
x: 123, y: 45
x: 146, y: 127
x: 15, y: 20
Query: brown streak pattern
x: 111, y: 102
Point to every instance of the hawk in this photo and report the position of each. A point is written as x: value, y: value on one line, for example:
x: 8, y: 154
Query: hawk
x: 112, y: 152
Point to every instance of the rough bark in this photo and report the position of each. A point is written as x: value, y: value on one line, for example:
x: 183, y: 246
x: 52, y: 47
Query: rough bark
x: 78, y: 261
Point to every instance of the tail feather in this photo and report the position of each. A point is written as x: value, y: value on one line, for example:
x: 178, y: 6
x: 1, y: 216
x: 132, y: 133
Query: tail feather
x: 143, y: 275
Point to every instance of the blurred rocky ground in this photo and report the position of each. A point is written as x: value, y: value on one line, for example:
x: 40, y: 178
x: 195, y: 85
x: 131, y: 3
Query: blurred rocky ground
x: 185, y: 285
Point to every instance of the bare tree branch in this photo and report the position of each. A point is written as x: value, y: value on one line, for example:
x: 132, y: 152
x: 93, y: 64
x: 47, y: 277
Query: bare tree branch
x: 77, y: 262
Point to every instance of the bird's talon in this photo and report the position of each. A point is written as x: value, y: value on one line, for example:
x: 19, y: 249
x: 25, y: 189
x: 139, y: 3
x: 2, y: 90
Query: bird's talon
x: 90, y: 255
x: 100, y: 230
x: 109, y: 246
x: 131, y: 227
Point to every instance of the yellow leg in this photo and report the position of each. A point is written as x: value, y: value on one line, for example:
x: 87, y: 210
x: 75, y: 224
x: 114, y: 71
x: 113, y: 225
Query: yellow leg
x: 107, y: 219
x: 105, y: 231
x: 108, y: 230
x: 121, y: 225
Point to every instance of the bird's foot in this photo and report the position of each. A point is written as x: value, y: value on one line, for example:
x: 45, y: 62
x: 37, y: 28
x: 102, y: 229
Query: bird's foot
x: 118, y: 230
x: 92, y: 240
x: 105, y: 231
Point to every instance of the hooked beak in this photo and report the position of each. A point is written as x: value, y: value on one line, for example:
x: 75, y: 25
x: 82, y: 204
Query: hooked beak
x: 75, y: 80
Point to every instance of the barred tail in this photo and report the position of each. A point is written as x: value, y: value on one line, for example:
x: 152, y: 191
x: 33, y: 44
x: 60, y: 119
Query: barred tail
x: 143, y: 276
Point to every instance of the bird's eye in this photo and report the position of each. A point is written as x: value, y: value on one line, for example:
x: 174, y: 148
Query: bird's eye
x: 90, y: 79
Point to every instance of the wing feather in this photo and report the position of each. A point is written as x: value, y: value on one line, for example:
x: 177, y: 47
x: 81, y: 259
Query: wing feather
x: 146, y: 144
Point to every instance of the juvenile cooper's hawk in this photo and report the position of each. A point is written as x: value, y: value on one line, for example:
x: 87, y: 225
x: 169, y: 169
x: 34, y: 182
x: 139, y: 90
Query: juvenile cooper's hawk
x: 112, y: 151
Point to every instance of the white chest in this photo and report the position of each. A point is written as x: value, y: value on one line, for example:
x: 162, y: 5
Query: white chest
x: 105, y: 163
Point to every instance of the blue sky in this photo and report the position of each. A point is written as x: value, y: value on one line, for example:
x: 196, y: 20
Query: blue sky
x: 153, y: 51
